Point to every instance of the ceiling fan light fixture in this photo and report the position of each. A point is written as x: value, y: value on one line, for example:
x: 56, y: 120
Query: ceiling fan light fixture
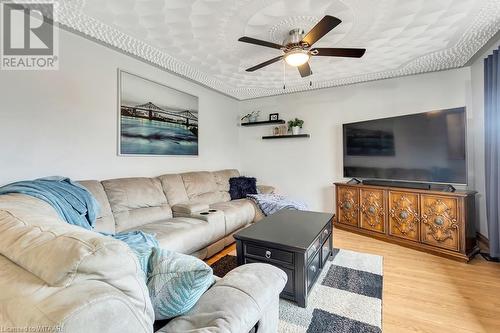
x: 297, y: 58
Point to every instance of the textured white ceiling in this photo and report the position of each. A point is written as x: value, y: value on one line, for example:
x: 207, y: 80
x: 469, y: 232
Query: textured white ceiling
x: 198, y: 38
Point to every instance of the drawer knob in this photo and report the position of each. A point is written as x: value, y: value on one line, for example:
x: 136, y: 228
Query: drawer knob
x: 347, y: 205
x: 268, y: 254
x: 313, y: 268
x: 403, y: 214
x: 439, y: 221
x: 325, y: 232
x: 371, y: 209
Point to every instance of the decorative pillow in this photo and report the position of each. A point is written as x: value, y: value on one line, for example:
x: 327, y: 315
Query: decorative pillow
x: 239, y: 187
x: 176, y: 282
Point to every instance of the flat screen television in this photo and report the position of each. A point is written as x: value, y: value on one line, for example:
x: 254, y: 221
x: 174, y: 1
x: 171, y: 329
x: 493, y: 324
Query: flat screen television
x: 425, y: 147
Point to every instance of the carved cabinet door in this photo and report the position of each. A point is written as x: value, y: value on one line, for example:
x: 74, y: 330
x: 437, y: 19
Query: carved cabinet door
x: 347, y: 205
x: 372, y: 209
x: 404, y: 215
x: 439, y: 222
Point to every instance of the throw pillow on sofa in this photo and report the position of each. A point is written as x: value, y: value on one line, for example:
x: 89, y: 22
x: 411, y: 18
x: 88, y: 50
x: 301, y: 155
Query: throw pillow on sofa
x: 239, y: 187
x: 176, y: 282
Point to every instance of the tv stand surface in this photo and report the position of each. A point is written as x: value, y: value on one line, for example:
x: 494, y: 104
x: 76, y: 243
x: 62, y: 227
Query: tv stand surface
x: 413, y: 185
x: 435, y: 221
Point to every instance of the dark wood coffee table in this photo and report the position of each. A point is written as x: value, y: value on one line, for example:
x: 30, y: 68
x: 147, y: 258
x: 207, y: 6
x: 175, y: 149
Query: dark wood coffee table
x: 298, y: 242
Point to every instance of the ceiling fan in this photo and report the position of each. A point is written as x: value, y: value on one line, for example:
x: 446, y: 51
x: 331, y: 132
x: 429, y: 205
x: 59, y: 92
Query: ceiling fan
x: 297, y: 47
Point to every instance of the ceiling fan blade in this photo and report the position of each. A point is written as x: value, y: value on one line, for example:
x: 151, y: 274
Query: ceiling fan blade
x: 339, y: 52
x: 260, y: 42
x: 264, y: 64
x: 305, y: 70
x: 323, y: 27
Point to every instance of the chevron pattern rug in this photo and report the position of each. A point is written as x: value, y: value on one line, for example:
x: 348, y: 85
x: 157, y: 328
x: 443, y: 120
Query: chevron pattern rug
x: 347, y: 298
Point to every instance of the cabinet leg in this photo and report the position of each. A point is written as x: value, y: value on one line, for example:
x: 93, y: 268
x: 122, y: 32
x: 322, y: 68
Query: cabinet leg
x: 302, y: 302
x: 239, y: 253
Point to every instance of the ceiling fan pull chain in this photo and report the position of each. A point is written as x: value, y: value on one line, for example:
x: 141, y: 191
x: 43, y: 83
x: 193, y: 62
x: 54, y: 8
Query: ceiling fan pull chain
x: 310, y: 80
x: 284, y: 76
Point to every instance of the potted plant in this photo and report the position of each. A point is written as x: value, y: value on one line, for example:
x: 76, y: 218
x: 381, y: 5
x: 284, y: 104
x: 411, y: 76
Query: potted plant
x: 295, y: 125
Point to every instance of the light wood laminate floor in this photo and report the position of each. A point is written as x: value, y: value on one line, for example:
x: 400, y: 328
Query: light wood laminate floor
x: 427, y: 293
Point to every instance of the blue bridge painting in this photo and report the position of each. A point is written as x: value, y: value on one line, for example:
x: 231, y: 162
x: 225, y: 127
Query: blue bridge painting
x: 155, y: 128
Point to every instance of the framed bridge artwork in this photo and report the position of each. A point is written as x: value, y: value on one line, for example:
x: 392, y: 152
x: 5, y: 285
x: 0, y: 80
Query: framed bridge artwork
x: 155, y: 119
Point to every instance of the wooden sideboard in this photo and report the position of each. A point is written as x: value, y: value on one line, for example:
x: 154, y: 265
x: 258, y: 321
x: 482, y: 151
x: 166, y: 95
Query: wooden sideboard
x: 441, y: 223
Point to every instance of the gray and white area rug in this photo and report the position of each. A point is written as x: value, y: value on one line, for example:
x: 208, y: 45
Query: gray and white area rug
x: 347, y: 298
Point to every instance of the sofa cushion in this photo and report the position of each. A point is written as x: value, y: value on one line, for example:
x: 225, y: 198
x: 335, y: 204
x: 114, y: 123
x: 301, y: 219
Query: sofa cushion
x: 222, y: 178
x: 189, y: 208
x: 136, y: 201
x: 197, y: 183
x: 183, y: 234
x: 237, y: 213
x: 201, y: 187
x: 105, y: 220
x: 176, y: 282
x: 211, y: 198
x: 173, y: 187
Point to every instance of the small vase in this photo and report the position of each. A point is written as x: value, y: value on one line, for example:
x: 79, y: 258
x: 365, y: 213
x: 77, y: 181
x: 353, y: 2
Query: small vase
x: 295, y: 130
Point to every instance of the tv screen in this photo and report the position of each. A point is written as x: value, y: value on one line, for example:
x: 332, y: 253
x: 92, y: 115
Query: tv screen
x: 423, y: 147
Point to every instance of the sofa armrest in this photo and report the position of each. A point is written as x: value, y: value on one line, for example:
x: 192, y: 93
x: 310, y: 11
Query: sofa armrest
x: 84, y: 306
x: 247, y: 296
x: 93, y: 305
x: 265, y: 189
x: 189, y: 207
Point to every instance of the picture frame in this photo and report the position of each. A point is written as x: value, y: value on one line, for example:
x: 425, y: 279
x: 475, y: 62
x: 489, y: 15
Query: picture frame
x: 155, y: 119
x: 274, y: 116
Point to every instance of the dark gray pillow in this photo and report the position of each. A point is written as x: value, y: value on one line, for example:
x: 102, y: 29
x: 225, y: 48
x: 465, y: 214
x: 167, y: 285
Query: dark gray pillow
x: 239, y: 187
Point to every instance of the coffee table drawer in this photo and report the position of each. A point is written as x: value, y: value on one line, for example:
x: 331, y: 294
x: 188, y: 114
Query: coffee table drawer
x: 326, y: 232
x: 268, y: 253
x: 313, y: 271
x: 313, y: 248
x: 325, y: 251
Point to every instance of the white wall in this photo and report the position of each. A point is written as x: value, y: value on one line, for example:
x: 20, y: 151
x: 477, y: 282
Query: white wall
x: 65, y: 122
x: 306, y: 168
x: 477, y: 79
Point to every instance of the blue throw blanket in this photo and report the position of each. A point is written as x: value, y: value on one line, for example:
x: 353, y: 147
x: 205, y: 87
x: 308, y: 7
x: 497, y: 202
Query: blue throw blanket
x: 77, y: 206
x: 271, y: 203
x: 72, y: 201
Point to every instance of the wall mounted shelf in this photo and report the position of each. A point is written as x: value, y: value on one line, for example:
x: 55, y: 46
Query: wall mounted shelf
x: 286, y: 136
x: 262, y: 123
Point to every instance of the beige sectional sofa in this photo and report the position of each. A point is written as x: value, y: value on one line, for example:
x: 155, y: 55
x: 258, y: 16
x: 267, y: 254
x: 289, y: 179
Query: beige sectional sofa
x: 59, y: 276
x: 191, y: 212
